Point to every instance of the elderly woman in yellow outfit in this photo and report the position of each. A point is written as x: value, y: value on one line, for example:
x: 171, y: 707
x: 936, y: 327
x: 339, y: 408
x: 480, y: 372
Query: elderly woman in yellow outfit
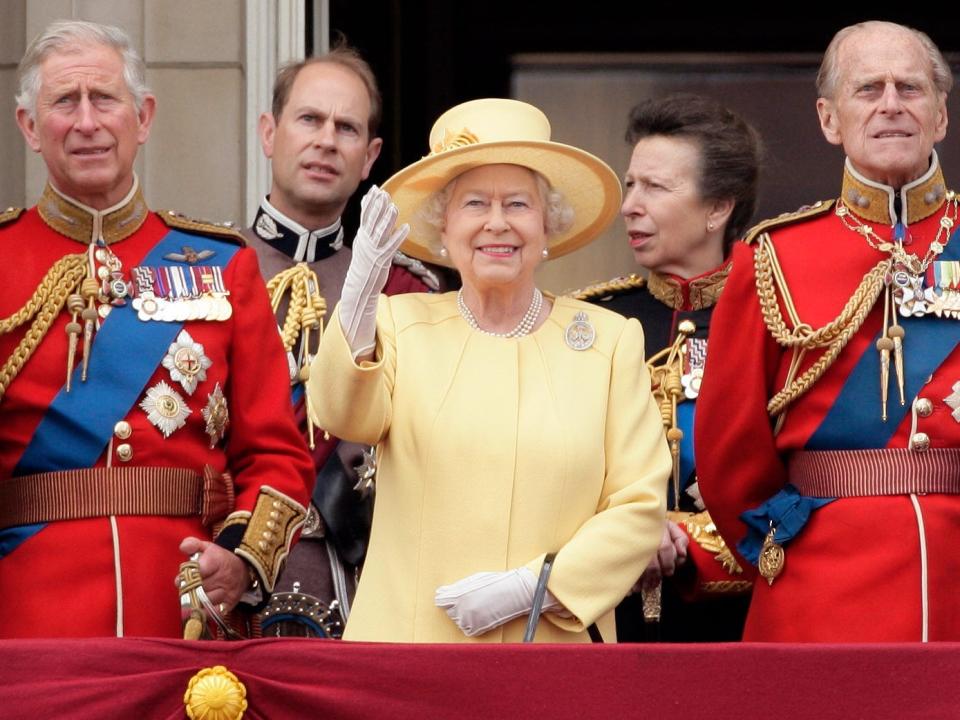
x: 509, y: 424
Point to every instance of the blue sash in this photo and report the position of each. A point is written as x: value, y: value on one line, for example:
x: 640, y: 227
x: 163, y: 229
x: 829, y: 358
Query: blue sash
x: 853, y: 422
x: 126, y: 351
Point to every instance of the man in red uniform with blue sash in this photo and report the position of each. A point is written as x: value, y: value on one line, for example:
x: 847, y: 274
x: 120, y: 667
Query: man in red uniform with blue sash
x: 829, y: 418
x: 142, y: 388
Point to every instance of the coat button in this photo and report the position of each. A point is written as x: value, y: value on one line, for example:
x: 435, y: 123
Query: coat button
x: 924, y: 407
x: 124, y: 452
x: 920, y: 442
x: 122, y: 430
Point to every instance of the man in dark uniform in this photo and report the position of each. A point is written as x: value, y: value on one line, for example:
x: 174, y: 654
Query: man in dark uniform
x: 321, y: 139
x: 690, y: 191
x: 139, y: 413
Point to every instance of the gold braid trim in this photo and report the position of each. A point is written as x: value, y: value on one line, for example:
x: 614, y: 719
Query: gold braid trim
x: 224, y: 231
x: 727, y: 586
x: 703, y: 531
x: 610, y: 287
x: 266, y: 542
x: 305, y: 312
x: 833, y: 336
x: 307, y: 307
x: 10, y: 214
x: 46, y: 303
x: 807, y: 211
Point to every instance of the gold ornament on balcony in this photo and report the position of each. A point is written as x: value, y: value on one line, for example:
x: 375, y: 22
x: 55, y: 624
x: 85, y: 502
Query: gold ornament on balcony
x: 215, y: 693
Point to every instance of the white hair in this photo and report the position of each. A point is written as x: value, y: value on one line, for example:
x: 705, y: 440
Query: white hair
x: 829, y: 73
x: 64, y: 36
x: 557, y: 212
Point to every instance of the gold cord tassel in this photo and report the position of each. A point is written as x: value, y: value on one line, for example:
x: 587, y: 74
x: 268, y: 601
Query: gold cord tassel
x: 884, y: 346
x: 75, y: 306
x: 666, y: 370
x: 89, y: 289
x: 305, y: 312
x: 897, y: 333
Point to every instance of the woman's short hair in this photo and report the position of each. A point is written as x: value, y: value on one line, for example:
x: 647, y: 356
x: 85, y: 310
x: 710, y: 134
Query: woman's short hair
x: 557, y: 213
x: 730, y: 149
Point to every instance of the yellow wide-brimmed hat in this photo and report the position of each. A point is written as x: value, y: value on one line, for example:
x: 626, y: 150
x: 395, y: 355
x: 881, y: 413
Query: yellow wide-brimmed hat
x: 494, y: 131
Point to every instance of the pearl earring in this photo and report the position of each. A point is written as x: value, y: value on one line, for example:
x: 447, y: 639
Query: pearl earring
x: 709, y: 227
x: 545, y: 253
x: 443, y: 251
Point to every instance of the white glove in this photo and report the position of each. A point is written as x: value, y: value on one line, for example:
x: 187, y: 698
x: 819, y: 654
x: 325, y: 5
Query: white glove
x: 487, y: 600
x: 374, y: 246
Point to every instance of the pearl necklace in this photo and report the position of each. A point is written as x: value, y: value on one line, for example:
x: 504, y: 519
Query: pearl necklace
x: 523, y: 328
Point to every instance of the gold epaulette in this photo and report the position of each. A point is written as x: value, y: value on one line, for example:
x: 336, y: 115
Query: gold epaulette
x: 610, y: 287
x: 418, y: 269
x: 223, y: 231
x: 10, y: 214
x: 807, y: 211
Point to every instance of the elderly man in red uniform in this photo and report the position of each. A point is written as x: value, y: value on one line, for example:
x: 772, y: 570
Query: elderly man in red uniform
x: 829, y: 420
x: 142, y: 388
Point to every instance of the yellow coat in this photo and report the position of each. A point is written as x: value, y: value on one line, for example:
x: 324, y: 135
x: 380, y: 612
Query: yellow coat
x: 493, y: 452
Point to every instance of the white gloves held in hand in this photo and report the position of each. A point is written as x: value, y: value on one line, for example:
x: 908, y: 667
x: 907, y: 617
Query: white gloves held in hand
x: 374, y: 246
x: 483, y: 601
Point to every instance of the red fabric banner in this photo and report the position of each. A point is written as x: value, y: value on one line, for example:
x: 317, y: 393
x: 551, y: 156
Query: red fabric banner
x: 131, y: 678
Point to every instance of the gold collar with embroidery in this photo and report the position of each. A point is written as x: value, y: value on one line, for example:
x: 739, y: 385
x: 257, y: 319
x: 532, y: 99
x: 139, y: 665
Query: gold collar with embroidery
x: 85, y: 224
x: 874, y: 202
x: 698, y: 293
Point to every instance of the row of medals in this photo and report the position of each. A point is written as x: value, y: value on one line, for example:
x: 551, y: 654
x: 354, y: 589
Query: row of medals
x: 914, y: 297
x: 185, y: 359
x: 116, y: 290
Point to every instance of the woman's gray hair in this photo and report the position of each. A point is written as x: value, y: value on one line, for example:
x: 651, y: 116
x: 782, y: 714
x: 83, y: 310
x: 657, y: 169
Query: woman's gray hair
x: 557, y: 212
x: 829, y: 73
x: 64, y: 36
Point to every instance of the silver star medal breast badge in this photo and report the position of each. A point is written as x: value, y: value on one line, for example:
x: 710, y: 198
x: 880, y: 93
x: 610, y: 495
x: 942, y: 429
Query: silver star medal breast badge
x: 165, y: 408
x: 216, y: 416
x: 186, y: 362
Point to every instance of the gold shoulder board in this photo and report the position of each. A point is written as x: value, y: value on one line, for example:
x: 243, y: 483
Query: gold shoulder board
x: 224, y: 231
x: 418, y: 269
x: 10, y: 214
x: 610, y: 287
x: 807, y: 211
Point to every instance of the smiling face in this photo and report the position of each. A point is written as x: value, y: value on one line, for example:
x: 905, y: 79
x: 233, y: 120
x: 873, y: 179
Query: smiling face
x: 494, y: 227
x: 320, y: 147
x: 887, y: 114
x: 666, y: 217
x: 86, y: 126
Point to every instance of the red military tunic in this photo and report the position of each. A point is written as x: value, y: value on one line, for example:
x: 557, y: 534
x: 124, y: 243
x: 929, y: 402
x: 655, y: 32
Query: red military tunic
x: 115, y: 575
x: 868, y: 568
